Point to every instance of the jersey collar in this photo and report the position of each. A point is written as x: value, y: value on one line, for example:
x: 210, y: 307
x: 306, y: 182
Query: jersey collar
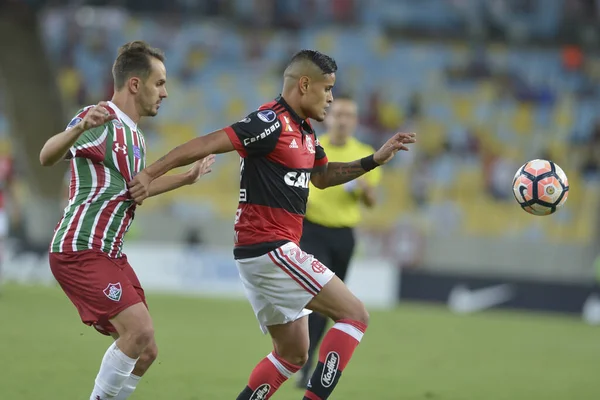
x: 122, y: 116
x: 304, y: 124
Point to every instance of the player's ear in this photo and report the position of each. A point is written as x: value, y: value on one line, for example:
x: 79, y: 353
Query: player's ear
x: 303, y: 84
x: 134, y: 84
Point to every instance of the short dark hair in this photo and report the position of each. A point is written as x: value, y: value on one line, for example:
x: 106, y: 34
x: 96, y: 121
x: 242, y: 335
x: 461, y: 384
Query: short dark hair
x: 325, y: 63
x: 134, y: 59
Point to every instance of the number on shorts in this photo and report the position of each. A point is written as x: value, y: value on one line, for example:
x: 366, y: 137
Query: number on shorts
x: 300, y: 256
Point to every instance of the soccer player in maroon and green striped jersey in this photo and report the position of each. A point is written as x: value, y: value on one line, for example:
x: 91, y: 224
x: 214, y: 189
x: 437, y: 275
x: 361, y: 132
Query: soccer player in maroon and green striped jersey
x: 106, y: 149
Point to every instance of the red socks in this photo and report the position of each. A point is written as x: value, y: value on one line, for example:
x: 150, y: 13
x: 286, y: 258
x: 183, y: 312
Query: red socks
x: 267, y: 377
x: 336, y: 351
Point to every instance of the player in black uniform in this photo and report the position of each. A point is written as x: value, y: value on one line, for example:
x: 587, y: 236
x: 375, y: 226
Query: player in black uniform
x: 280, y: 154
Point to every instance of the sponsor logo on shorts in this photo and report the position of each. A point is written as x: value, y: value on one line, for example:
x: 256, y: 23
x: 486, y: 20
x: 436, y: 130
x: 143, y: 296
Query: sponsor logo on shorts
x: 113, y: 291
x: 330, y: 368
x: 261, y: 392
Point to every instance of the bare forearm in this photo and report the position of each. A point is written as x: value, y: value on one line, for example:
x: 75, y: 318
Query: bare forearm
x: 57, y: 146
x: 184, y: 154
x: 167, y: 183
x: 339, y: 173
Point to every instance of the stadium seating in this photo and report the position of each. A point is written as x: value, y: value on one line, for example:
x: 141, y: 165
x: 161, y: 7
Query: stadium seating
x: 214, y: 81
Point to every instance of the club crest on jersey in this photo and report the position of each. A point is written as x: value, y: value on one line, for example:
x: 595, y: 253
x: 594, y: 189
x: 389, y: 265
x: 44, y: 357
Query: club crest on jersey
x: 118, y: 148
x: 267, y: 116
x: 309, y: 145
x: 137, y: 153
x: 261, y: 392
x: 113, y: 291
x: 117, y: 124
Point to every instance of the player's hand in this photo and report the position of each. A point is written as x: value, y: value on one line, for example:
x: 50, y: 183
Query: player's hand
x: 200, y: 168
x: 396, y: 143
x: 138, y: 187
x: 363, y: 185
x: 97, y: 116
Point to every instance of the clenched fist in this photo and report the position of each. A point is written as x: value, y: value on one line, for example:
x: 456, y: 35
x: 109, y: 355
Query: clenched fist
x: 96, y: 116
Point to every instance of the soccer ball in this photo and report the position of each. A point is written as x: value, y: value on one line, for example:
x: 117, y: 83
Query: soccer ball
x: 540, y: 187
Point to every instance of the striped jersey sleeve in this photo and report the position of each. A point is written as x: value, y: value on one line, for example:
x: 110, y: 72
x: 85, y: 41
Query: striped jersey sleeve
x: 92, y: 143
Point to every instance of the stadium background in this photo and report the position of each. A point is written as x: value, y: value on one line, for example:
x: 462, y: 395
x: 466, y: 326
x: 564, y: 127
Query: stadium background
x: 486, y: 84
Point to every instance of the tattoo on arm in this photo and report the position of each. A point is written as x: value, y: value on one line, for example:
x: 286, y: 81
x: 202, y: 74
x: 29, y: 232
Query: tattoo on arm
x: 340, y: 173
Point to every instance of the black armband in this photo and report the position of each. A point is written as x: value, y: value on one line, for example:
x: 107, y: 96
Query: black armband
x: 368, y: 163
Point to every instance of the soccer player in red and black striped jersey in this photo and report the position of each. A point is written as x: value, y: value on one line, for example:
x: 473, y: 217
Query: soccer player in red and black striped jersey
x: 280, y: 154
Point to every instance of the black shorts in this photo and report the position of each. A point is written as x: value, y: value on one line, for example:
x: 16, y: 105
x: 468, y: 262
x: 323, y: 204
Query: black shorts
x: 332, y: 246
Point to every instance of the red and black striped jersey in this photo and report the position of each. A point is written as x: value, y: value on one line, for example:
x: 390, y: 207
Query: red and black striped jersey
x: 278, y: 151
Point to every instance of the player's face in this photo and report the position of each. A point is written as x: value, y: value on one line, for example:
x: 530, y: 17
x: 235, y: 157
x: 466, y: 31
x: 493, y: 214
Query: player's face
x: 154, y: 89
x: 319, y: 97
x: 342, y: 118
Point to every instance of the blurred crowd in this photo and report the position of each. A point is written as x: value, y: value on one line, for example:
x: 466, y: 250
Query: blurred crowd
x: 480, y: 110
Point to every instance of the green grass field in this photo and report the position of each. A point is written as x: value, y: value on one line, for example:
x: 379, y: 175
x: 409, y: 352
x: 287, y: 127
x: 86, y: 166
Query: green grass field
x: 208, y: 348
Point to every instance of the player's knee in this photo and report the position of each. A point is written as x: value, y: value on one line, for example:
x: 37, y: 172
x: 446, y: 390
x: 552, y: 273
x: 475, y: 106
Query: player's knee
x: 358, y: 313
x: 363, y: 315
x: 296, y: 353
x: 298, y: 358
x: 149, y: 355
x: 143, y: 336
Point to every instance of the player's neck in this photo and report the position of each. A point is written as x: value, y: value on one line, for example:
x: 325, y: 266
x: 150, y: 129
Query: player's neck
x: 127, y: 105
x: 292, y: 100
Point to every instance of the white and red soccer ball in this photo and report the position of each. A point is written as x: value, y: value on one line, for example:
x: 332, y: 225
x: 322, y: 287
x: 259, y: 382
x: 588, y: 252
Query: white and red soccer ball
x: 540, y: 187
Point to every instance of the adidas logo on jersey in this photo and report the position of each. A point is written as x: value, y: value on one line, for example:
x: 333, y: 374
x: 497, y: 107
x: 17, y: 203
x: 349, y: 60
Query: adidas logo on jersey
x: 293, y: 145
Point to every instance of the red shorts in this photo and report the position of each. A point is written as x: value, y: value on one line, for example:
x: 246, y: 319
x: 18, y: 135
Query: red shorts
x: 100, y: 287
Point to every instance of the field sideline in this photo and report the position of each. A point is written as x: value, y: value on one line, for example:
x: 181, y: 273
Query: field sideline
x: 208, y: 348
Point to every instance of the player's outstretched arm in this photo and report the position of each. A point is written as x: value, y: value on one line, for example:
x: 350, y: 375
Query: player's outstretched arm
x: 166, y: 183
x: 337, y: 173
x: 56, y: 148
x: 196, y: 149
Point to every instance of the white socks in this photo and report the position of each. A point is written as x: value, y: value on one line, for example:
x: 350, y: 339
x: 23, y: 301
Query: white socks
x: 128, y: 388
x: 114, y: 373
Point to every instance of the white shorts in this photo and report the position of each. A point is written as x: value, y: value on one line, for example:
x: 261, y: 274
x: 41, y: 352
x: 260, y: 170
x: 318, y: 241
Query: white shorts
x: 281, y: 283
